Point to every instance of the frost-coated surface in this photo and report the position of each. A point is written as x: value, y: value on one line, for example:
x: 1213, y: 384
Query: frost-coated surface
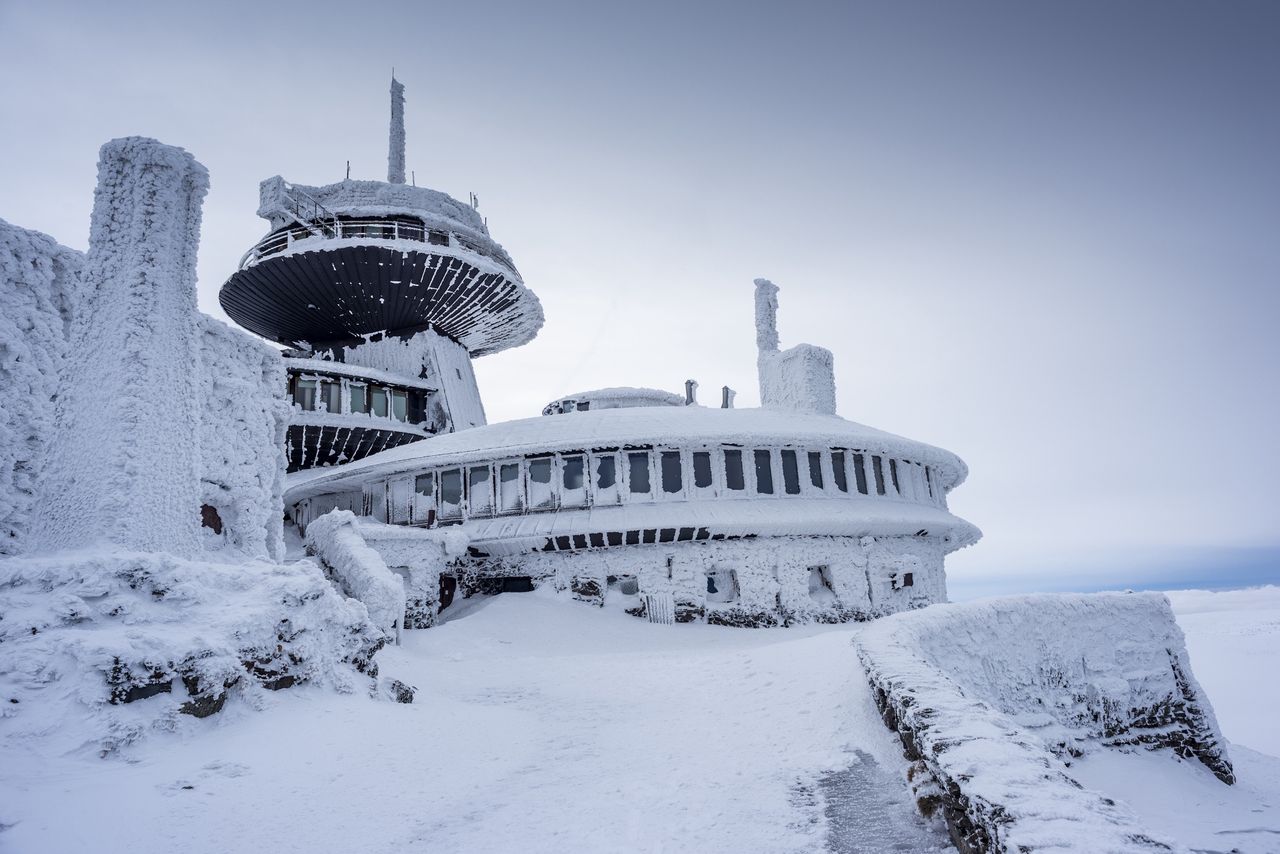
x: 990, y: 693
x: 242, y: 431
x: 336, y: 539
x: 38, y: 290
x: 802, y: 378
x: 395, y: 153
x: 124, y: 462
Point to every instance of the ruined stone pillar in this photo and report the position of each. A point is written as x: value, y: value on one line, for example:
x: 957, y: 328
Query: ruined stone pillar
x: 125, y: 461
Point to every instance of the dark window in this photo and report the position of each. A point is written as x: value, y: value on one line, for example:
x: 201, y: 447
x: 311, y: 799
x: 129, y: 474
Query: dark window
x: 331, y: 395
x: 439, y: 238
x: 583, y: 406
x: 860, y: 473
x: 671, y: 475
x: 359, y: 398
x: 597, y: 541
x: 764, y: 473
x: 790, y: 473
x: 304, y: 394
x: 425, y: 483
x: 540, y: 470
x: 650, y: 535
x: 638, y: 471
x: 733, y: 478
x: 451, y: 486
x: 908, y: 579
x: 614, y: 537
x: 837, y: 471
x: 815, y: 469
x: 572, y: 472
x: 667, y: 535
x: 478, y: 477
x: 877, y: 468
x: 685, y: 535
x: 633, y: 538
x: 893, y: 471
x: 701, y: 469
x: 606, y: 471
x: 928, y: 476
x: 579, y: 541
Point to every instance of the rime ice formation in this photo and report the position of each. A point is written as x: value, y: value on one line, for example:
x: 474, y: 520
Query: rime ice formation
x: 395, y: 156
x: 801, y: 379
x: 124, y: 459
x: 38, y: 292
x: 336, y: 540
x: 989, y: 697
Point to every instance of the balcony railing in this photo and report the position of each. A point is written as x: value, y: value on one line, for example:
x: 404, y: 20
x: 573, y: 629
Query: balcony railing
x: 364, y: 229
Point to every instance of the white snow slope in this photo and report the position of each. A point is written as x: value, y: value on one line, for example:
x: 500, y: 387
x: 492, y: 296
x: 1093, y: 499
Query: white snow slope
x: 545, y: 725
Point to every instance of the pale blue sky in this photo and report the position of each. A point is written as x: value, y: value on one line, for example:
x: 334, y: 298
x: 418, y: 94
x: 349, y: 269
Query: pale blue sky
x: 1044, y: 236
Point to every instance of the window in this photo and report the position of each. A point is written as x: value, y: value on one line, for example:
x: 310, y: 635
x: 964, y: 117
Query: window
x: 638, y: 472
x: 893, y: 471
x: 790, y: 473
x: 540, y: 494
x: 815, y: 469
x: 399, y: 405
x: 304, y: 394
x: 928, y: 476
x: 451, y: 493
x: 438, y: 238
x: 877, y: 467
x: 722, y: 586
x: 573, y: 481
x: 860, y: 472
x: 379, y: 396
x: 764, y: 473
x: 606, y: 478
x: 733, y: 476
x: 509, y: 492
x: 672, y: 480
x: 908, y: 579
x: 702, y: 469
x: 425, y: 484
x: 837, y: 471
x: 359, y: 398
x: 479, y: 490
x: 331, y: 395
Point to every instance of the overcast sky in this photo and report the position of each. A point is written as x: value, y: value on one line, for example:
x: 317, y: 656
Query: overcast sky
x: 1045, y: 237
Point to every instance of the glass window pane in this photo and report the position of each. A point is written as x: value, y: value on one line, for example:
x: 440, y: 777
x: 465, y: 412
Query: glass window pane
x: 571, y: 472
x: 304, y: 394
x: 860, y: 473
x: 638, y: 472
x: 379, y: 401
x: 672, y: 480
x: 790, y: 473
x: 330, y: 395
x: 893, y: 471
x: 606, y: 471
x: 479, y: 489
x: 764, y: 473
x: 451, y: 492
x: 815, y: 469
x: 425, y: 484
x: 701, y: 469
x: 733, y: 476
x: 877, y: 468
x: 540, y: 494
x: 359, y: 398
x: 837, y: 471
x: 509, y: 486
x: 399, y: 405
x: 928, y: 476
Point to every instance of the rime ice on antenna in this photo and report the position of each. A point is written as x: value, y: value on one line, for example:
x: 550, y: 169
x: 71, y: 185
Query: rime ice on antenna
x: 395, y: 152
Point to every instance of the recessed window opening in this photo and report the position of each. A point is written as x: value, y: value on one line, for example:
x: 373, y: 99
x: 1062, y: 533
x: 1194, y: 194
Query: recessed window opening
x: 571, y: 472
x: 479, y: 489
x: 815, y: 469
x: 399, y: 405
x: 764, y: 472
x: 837, y: 471
x: 359, y: 398
x: 790, y: 473
x: 860, y: 472
x: 606, y: 471
x: 438, y: 238
x: 638, y: 472
x: 928, y: 477
x: 540, y: 493
x: 701, y: 469
x: 722, y: 586
x: 379, y: 401
x: 820, y: 590
x: 425, y: 484
x: 509, y: 492
x: 893, y: 472
x: 451, y: 492
x: 304, y: 394
x: 733, y: 475
x: 672, y: 480
x: 878, y: 469
x: 331, y: 395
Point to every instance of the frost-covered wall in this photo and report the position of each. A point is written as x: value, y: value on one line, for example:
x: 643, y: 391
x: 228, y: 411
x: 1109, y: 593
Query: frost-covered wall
x: 419, y: 557
x: 38, y: 284
x: 124, y: 459
x: 800, y: 379
x: 441, y: 361
x: 336, y: 539
x: 242, y: 432
x: 989, y: 697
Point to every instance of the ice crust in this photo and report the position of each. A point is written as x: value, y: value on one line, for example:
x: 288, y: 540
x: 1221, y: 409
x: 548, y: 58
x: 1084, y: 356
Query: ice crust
x: 336, y: 539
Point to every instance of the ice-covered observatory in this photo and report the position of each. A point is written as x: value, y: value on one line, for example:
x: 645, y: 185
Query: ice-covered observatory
x: 676, y: 510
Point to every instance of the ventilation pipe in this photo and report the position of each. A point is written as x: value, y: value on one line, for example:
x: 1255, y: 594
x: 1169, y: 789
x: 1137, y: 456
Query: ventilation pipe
x: 726, y: 397
x: 690, y: 392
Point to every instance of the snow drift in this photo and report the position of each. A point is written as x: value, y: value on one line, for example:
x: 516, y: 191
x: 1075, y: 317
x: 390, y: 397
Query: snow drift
x: 990, y: 697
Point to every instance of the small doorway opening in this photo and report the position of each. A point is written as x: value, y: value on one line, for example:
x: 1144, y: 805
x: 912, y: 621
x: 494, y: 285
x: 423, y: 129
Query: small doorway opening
x: 722, y: 586
x: 820, y: 586
x: 448, y: 587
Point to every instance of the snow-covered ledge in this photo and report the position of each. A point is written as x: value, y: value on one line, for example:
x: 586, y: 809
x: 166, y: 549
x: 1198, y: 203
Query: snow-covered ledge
x: 336, y: 539
x: 989, y: 699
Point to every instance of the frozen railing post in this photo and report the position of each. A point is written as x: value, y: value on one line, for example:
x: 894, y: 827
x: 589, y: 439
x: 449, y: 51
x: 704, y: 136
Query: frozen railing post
x: 395, y: 154
x: 125, y: 459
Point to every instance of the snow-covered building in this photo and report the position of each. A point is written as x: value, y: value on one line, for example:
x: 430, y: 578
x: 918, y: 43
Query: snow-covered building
x: 739, y: 516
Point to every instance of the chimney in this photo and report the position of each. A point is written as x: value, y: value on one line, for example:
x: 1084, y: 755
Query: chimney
x: 726, y: 397
x: 690, y: 392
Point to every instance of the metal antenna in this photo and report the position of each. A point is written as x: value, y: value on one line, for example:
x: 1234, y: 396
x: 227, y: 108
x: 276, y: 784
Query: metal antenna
x: 395, y: 148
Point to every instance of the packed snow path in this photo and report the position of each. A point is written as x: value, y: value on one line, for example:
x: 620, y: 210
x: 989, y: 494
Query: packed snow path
x: 541, y: 725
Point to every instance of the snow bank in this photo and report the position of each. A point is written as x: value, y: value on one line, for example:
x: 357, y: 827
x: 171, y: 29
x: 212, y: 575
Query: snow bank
x: 38, y: 280
x: 123, y: 462
x: 242, y: 432
x: 336, y: 539
x: 986, y: 696
x: 97, y: 648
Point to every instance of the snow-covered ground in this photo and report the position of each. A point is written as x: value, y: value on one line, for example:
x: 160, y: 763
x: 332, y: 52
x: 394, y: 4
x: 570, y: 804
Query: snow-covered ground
x: 542, y: 724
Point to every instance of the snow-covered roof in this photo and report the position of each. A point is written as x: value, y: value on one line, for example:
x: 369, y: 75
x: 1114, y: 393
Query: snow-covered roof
x: 620, y: 397
x: 657, y: 425
x: 371, y: 198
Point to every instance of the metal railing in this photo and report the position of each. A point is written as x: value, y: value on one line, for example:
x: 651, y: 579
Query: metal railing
x: 365, y: 229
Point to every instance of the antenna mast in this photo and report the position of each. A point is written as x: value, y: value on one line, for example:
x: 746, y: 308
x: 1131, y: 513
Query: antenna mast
x: 395, y: 151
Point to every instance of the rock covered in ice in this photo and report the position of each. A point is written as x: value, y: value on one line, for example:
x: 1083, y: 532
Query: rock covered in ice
x: 38, y: 293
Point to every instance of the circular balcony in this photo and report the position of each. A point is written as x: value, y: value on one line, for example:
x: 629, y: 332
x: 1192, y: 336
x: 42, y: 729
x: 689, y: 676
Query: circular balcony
x: 336, y: 280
